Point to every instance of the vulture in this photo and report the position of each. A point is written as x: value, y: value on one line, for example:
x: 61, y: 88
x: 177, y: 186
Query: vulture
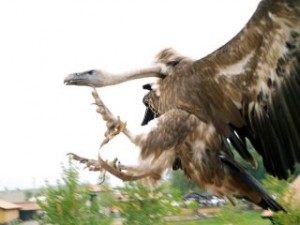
x: 248, y: 89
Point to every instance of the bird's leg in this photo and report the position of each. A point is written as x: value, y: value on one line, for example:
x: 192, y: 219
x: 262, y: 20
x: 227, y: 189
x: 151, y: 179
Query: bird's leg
x: 91, y: 164
x: 116, y: 126
x: 95, y: 165
x: 136, y: 171
x: 111, y: 166
x: 104, y: 165
x: 113, y: 123
x: 117, y: 171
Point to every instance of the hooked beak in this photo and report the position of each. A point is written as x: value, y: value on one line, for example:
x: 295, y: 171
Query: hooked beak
x: 87, y: 78
x: 73, y: 79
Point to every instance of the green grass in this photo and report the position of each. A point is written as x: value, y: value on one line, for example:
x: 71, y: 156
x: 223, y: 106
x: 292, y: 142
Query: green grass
x: 245, y: 218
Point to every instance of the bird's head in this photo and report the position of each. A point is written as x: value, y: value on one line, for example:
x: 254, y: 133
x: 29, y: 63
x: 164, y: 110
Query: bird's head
x: 92, y: 78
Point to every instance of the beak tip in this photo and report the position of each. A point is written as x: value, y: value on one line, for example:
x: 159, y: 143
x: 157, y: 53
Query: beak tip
x: 68, y: 79
x: 67, y: 82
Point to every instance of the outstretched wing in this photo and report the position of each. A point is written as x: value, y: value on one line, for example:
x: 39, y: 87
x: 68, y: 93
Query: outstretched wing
x: 258, y: 74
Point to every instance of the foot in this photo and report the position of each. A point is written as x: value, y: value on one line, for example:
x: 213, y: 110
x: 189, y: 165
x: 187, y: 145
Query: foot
x: 91, y: 164
x: 114, y: 124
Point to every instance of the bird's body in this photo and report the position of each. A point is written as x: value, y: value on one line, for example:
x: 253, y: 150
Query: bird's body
x: 205, y: 156
x: 247, y: 89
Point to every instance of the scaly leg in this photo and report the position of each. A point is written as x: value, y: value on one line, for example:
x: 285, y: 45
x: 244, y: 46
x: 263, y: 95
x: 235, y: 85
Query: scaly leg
x: 114, y: 127
x: 92, y: 164
x: 113, y: 123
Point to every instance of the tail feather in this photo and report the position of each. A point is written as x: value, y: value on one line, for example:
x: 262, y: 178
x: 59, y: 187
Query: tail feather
x: 266, y: 201
x: 270, y: 203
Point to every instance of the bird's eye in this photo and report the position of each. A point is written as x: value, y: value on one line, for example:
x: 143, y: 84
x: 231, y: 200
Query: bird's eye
x: 172, y: 63
x: 91, y: 72
x: 147, y: 87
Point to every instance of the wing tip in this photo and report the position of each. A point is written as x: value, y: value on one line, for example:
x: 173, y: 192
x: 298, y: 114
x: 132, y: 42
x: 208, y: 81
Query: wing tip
x: 267, y: 202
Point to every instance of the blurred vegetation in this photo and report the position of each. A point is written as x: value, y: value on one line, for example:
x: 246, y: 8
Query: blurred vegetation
x: 275, y: 186
x: 259, y: 172
x: 292, y: 206
x: 182, y: 184
x: 287, y: 198
x: 241, y: 218
x: 70, y: 202
x: 145, y: 206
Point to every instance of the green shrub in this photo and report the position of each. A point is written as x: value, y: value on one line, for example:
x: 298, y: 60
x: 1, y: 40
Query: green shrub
x: 292, y: 206
x: 70, y: 202
x: 144, y: 206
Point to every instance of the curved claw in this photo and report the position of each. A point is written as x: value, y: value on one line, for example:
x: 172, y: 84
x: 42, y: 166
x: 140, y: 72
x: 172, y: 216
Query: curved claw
x: 91, y: 164
x: 114, y: 124
x: 77, y: 157
x: 112, y: 132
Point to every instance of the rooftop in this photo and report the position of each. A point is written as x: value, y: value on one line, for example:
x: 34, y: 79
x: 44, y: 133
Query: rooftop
x: 28, y: 206
x: 7, y: 205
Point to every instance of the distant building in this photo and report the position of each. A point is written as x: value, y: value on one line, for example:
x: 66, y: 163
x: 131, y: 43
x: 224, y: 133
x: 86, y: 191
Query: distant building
x: 28, y: 210
x: 9, y: 212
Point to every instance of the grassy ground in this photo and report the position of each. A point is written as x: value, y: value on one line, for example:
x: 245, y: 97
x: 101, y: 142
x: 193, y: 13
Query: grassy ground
x: 246, y: 218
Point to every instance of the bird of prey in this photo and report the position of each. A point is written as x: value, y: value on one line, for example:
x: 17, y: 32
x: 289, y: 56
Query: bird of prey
x: 248, y: 89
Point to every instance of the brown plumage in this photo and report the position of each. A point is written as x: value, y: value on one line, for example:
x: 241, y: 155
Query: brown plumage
x: 247, y: 89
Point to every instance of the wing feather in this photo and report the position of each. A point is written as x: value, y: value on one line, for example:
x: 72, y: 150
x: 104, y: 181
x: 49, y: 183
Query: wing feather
x: 259, y: 72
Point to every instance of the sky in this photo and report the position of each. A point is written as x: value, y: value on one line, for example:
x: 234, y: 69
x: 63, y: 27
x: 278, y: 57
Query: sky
x: 41, y: 119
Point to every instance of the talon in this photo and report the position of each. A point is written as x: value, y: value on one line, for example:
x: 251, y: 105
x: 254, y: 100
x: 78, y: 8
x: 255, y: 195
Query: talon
x: 104, y: 142
x: 91, y: 164
x: 119, y: 166
x: 76, y: 157
x: 102, y: 179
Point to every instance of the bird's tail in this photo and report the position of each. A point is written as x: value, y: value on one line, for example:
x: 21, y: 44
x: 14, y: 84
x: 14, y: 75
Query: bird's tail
x: 265, y: 200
